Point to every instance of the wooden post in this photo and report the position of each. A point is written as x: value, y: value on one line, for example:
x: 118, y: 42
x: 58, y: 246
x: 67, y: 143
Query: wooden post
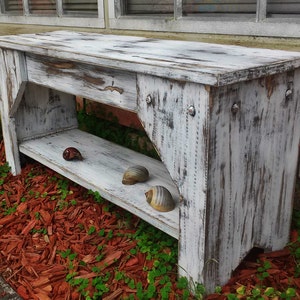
x: 175, y: 116
x: 13, y: 80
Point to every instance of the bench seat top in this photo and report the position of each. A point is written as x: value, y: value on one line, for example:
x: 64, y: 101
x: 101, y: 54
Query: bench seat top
x: 205, y: 63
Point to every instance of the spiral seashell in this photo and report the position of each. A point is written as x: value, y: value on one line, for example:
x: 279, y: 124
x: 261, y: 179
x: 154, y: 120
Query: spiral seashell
x: 160, y: 199
x: 135, y: 174
x: 72, y: 153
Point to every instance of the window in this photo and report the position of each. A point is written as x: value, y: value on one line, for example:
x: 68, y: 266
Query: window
x: 47, y: 7
x: 234, y: 7
x: 12, y: 6
x: 79, y: 7
x: 78, y: 13
x: 238, y: 17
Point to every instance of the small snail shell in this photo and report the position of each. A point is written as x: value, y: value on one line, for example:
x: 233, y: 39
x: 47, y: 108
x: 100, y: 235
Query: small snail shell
x: 160, y: 199
x: 72, y: 153
x: 135, y: 174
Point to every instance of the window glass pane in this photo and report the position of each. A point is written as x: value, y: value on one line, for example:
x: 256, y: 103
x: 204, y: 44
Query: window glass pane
x: 47, y: 7
x: 283, y: 7
x: 13, y: 6
x: 80, y: 7
x: 218, y: 6
x: 149, y: 6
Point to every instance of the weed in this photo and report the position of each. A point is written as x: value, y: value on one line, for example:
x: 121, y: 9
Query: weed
x: 91, y: 230
x: 262, y: 271
x: 4, y: 170
x: 114, y: 132
x: 68, y: 254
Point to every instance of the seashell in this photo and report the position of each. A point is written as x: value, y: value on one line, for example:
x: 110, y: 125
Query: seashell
x: 160, y: 199
x: 135, y: 174
x: 72, y: 153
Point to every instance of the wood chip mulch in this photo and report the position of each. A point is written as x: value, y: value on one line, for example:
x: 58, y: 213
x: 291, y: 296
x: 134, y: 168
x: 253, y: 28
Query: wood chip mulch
x: 38, y: 238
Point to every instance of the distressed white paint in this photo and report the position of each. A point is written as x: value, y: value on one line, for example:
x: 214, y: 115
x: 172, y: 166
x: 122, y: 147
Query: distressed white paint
x: 181, y: 140
x: 60, y: 19
x: 102, y: 170
x: 43, y: 111
x: 12, y: 84
x: 189, y: 61
x: 252, y: 166
x: 116, y: 88
x: 234, y: 171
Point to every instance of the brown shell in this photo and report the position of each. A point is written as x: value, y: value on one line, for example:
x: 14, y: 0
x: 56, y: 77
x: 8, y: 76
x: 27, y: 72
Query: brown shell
x: 160, y: 199
x: 135, y: 174
x: 72, y: 153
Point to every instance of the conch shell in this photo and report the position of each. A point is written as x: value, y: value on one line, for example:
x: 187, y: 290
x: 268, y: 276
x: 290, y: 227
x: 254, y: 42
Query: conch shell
x: 135, y: 174
x: 160, y: 199
x: 72, y: 153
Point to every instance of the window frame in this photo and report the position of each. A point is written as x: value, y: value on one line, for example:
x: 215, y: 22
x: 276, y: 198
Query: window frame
x: 59, y: 19
x: 258, y: 24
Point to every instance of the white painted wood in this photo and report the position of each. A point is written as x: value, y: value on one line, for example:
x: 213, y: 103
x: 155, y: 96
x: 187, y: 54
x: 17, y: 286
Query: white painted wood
x: 253, y: 159
x: 14, y: 69
x: 102, y: 169
x: 181, y: 140
x: 189, y: 61
x: 116, y: 88
x: 12, y: 83
x: 43, y: 111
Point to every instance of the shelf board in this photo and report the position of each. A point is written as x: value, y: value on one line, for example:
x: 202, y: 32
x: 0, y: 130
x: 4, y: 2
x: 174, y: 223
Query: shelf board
x: 102, y: 170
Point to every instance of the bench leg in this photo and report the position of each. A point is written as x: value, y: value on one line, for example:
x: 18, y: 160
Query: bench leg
x: 13, y: 79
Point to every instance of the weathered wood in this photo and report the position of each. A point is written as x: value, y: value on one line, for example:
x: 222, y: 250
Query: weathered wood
x: 116, y: 88
x: 253, y: 156
x: 181, y: 140
x: 102, y: 170
x: 43, y: 111
x: 189, y: 61
x: 12, y: 84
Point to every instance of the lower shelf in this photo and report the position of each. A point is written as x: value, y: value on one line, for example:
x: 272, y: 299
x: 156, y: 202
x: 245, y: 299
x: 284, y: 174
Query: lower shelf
x: 102, y: 170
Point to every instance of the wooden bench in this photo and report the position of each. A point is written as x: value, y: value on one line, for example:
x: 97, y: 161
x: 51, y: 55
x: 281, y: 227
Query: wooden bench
x: 224, y: 119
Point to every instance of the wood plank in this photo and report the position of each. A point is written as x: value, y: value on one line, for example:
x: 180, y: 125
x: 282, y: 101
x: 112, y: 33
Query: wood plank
x: 14, y: 67
x: 253, y: 161
x: 181, y: 140
x: 115, y: 88
x: 13, y: 80
x: 102, y: 169
x: 43, y: 111
x: 188, y: 61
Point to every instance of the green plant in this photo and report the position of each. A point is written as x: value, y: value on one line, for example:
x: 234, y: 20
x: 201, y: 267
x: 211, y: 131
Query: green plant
x: 111, y: 130
x: 262, y: 271
x: 4, y: 170
x: 68, y: 254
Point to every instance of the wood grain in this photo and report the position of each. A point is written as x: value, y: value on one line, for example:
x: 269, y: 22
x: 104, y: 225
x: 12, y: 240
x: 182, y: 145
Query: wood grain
x: 12, y: 84
x: 189, y: 61
x: 181, y: 140
x: 102, y: 170
x: 43, y: 111
x: 253, y: 160
x: 116, y: 88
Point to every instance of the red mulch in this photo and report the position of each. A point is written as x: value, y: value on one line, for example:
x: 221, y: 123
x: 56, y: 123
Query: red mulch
x: 42, y: 227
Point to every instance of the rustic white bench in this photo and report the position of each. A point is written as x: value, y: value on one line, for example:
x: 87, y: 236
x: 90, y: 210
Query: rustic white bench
x: 224, y: 119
